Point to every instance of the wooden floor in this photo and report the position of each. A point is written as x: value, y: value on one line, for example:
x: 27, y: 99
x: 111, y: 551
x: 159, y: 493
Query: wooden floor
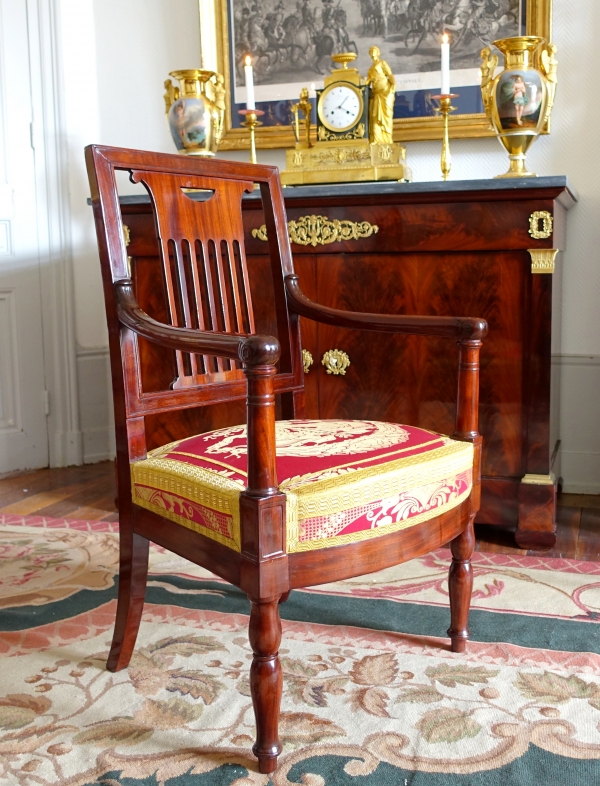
x: 88, y: 493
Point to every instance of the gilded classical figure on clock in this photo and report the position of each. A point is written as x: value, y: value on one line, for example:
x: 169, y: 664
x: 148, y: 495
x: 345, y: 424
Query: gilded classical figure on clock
x: 383, y: 94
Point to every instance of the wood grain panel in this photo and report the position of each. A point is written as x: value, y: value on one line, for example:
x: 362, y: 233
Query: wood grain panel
x: 472, y: 226
x: 413, y: 380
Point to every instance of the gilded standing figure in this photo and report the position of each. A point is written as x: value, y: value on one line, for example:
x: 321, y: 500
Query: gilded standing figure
x: 383, y: 93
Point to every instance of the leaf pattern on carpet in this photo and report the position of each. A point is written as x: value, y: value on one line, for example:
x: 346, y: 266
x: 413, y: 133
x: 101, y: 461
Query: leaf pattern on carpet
x: 363, y: 698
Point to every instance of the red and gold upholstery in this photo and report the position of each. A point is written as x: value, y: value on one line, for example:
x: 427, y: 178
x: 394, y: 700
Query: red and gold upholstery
x: 344, y: 480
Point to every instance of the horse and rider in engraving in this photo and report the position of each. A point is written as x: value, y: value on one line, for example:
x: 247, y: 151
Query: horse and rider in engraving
x: 305, y: 36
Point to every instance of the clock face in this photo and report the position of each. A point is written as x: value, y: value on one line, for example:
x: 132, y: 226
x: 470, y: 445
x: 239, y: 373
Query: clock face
x: 340, y: 107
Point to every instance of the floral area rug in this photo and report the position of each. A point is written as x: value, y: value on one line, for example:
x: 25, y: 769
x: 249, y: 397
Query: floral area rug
x: 372, y: 694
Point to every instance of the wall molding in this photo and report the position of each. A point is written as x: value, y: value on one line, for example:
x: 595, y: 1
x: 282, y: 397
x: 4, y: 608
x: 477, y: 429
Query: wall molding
x: 95, y: 404
x: 92, y: 352
x: 579, y: 422
x: 576, y: 360
x: 49, y: 137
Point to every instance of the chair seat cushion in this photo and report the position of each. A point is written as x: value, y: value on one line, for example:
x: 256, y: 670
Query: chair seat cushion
x: 344, y: 480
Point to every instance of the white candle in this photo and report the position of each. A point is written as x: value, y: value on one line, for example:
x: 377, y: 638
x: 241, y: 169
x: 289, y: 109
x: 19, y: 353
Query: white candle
x: 312, y: 93
x: 249, y: 83
x: 445, y: 65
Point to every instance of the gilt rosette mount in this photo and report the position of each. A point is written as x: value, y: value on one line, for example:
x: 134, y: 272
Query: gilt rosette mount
x: 336, y: 362
x: 518, y: 101
x: 195, y: 110
x: 354, y: 128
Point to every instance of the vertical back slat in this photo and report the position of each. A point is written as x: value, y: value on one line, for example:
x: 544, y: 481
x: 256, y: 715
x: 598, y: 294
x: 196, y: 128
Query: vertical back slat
x: 210, y: 268
x: 240, y: 258
x: 238, y: 306
x: 171, y: 299
x: 189, y: 360
x: 196, y: 262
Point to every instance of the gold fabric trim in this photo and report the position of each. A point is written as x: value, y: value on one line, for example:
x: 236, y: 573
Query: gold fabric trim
x: 207, y: 488
x: 384, y: 480
x: 305, y: 501
x: 347, y: 491
x: 368, y: 534
x: 210, y: 461
x: 206, y: 531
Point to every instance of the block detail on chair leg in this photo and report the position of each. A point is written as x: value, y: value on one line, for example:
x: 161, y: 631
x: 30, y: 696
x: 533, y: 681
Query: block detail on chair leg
x: 460, y: 585
x: 133, y: 573
x: 266, y: 680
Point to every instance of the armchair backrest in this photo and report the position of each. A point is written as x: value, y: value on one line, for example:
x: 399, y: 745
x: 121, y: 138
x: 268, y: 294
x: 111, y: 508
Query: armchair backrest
x: 197, y: 210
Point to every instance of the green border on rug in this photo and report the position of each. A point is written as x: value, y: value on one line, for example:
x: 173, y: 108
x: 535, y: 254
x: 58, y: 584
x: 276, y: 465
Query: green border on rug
x: 534, y: 767
x: 305, y: 606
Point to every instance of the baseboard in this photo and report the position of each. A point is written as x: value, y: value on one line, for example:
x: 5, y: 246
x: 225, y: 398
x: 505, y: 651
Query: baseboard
x: 95, y: 404
x: 576, y: 360
x: 581, y: 472
x: 68, y: 446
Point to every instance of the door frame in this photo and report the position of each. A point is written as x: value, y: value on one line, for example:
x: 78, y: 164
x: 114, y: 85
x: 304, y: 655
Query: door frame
x: 49, y: 140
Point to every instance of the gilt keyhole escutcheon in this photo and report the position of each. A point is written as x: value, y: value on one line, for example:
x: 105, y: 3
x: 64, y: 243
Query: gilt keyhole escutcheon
x: 540, y: 224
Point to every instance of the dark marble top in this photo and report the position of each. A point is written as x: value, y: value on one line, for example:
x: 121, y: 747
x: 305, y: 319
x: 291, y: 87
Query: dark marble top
x: 389, y: 187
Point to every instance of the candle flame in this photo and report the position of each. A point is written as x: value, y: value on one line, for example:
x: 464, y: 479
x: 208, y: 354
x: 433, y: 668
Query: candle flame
x: 445, y: 38
x: 247, y: 60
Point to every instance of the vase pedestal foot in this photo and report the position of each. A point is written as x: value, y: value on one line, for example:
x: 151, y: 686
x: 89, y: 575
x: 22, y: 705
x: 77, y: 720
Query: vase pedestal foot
x: 517, y: 167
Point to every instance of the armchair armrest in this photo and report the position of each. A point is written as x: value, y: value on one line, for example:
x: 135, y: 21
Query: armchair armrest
x: 253, y: 350
x: 462, y: 328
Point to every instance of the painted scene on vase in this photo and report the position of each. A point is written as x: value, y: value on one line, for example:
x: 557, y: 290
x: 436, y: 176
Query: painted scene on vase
x: 291, y: 43
x: 187, y: 122
x: 519, y: 96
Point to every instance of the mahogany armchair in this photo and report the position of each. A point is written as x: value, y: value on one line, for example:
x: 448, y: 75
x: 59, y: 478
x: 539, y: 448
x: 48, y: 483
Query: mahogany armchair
x: 276, y: 504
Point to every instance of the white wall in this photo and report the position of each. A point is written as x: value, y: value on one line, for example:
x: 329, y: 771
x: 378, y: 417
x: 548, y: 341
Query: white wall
x: 116, y: 55
x: 125, y: 50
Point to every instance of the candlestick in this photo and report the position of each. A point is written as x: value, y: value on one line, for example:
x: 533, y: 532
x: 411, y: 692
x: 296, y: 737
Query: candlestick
x: 249, y: 77
x: 444, y: 110
x: 251, y: 122
x: 445, y: 65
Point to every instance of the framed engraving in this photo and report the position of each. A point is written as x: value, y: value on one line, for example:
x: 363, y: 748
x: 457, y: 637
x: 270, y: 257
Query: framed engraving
x: 291, y: 41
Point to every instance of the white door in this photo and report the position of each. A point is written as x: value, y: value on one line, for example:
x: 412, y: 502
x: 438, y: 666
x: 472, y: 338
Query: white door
x: 23, y: 402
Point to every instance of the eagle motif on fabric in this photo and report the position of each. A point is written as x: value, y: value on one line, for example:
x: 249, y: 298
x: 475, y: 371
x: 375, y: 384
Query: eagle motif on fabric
x: 309, y: 437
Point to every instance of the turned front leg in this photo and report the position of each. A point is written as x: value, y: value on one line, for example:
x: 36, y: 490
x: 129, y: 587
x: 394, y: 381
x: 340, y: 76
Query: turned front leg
x: 266, y: 680
x: 460, y: 585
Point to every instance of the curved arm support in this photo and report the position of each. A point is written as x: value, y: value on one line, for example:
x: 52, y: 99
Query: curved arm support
x: 452, y: 327
x: 252, y: 350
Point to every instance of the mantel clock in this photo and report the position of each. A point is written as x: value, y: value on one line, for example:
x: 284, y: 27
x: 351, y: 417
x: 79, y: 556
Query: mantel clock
x: 345, y: 150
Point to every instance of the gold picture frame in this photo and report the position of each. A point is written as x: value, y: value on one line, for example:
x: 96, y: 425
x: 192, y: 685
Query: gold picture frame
x: 216, y: 55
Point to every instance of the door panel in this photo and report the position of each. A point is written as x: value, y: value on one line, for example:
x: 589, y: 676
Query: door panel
x: 23, y: 428
x: 414, y: 379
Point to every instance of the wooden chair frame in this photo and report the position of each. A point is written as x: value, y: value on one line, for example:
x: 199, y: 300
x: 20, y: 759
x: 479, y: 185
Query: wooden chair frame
x: 262, y: 569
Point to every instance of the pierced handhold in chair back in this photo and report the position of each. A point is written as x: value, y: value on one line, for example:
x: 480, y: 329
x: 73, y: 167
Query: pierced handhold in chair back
x: 204, y: 262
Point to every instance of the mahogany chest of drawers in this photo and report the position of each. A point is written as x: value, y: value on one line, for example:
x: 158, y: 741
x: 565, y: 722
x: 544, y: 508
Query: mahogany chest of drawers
x: 473, y: 248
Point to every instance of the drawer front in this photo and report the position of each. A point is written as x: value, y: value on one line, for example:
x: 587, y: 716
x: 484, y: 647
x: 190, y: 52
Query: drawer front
x: 463, y: 226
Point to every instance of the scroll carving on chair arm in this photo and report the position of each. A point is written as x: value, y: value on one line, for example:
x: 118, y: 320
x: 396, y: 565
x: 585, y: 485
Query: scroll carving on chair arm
x: 252, y: 350
x: 452, y: 327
